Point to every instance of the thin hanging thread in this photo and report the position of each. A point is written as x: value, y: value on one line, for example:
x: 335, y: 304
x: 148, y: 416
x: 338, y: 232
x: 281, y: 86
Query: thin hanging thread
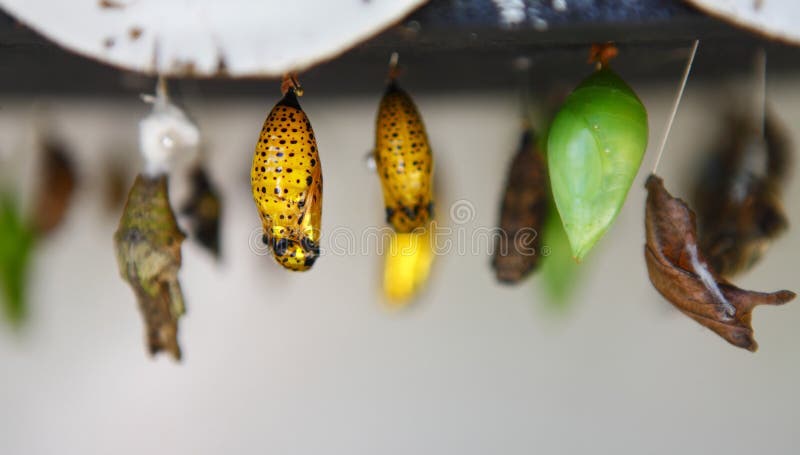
x: 394, y: 68
x: 522, y: 65
x: 161, y: 93
x: 290, y: 82
x: 161, y: 88
x: 676, y: 103
x: 761, y: 91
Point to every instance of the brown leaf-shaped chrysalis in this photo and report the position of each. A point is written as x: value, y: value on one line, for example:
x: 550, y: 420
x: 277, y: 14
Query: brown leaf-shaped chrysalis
x: 680, y: 272
x: 203, y: 209
x: 58, y: 184
x: 522, y: 214
x: 148, y: 244
x: 738, y: 196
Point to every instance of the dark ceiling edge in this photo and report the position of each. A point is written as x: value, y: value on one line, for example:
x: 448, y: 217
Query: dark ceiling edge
x: 441, y: 52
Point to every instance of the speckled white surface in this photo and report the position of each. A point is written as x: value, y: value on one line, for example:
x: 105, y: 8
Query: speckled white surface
x: 210, y: 37
x: 313, y: 364
x: 774, y: 18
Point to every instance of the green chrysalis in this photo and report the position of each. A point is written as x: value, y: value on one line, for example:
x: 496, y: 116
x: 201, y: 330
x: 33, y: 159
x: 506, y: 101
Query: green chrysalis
x: 595, y: 146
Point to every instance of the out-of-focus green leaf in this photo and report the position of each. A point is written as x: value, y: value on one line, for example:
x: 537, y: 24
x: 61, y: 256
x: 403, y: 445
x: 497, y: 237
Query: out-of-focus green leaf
x: 559, y: 271
x: 16, y: 245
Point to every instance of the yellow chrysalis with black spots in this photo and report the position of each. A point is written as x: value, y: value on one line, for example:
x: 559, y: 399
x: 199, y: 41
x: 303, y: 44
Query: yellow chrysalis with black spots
x: 286, y: 178
x: 404, y: 161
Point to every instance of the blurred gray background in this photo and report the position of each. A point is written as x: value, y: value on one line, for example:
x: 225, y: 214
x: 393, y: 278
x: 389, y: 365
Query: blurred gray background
x: 315, y: 363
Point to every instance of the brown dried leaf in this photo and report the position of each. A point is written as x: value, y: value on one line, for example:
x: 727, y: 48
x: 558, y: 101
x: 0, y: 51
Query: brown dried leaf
x: 738, y: 196
x: 148, y: 244
x: 680, y: 272
x: 522, y: 214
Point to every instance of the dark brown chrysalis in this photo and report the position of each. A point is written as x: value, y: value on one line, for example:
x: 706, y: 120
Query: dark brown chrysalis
x: 55, y: 192
x: 522, y: 214
x: 681, y: 273
x: 203, y: 208
x: 738, y: 195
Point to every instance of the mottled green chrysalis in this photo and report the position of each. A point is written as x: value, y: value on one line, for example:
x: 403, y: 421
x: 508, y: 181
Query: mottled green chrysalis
x: 148, y: 243
x: 595, y: 146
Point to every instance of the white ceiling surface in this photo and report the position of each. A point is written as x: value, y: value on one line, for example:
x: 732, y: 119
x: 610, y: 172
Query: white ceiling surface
x: 312, y: 363
x: 774, y: 18
x: 252, y: 38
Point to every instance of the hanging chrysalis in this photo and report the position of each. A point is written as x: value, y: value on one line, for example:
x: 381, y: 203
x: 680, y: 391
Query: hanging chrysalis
x: 738, y: 195
x: 403, y: 159
x: 149, y: 256
x: 148, y: 240
x: 681, y: 273
x: 522, y: 214
x: 58, y: 184
x: 594, y: 148
x: 203, y: 209
x: 407, y: 265
x: 286, y: 180
x: 678, y: 267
